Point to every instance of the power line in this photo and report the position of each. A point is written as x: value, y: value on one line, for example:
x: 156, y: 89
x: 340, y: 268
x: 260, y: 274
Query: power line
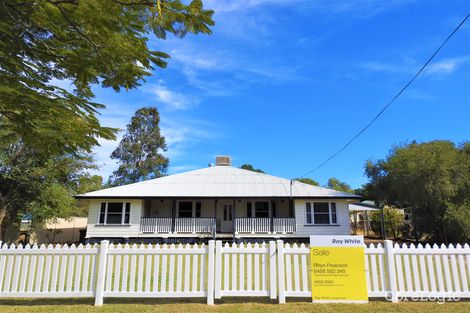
x: 391, y: 101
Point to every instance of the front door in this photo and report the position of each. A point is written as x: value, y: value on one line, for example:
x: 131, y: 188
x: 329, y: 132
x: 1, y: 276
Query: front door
x: 225, y: 216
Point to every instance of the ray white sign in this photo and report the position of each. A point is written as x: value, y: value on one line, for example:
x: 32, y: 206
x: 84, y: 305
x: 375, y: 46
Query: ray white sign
x: 338, y: 269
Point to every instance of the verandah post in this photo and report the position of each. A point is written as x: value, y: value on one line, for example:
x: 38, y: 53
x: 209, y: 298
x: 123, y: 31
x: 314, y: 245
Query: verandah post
x: 281, y: 271
x: 102, y: 260
x: 210, y: 272
x: 392, y: 278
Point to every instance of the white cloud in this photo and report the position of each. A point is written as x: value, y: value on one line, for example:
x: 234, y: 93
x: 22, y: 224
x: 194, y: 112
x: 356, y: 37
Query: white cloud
x: 171, y: 99
x: 375, y: 66
x: 446, y: 66
x: 220, y: 73
x: 410, y: 66
x: 182, y: 133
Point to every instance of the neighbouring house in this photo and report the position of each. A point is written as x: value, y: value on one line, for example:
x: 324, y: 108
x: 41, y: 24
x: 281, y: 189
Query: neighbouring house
x: 359, y: 217
x: 70, y: 230
x: 220, y: 201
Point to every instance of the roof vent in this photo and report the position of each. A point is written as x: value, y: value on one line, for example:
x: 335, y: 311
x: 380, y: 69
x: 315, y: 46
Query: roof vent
x: 223, y: 161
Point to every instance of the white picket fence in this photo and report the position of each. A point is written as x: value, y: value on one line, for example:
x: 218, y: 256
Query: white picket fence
x: 213, y: 271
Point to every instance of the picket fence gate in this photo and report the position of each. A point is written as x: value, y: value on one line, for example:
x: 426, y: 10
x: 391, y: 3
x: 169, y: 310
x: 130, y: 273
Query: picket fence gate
x: 275, y: 270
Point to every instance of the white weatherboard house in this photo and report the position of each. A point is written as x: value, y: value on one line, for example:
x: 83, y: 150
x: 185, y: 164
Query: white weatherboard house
x: 219, y: 201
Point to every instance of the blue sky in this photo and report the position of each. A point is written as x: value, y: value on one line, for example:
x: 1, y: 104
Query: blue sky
x: 283, y: 84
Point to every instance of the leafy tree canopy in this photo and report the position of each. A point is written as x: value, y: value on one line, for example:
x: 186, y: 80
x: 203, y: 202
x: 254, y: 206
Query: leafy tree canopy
x: 140, y: 151
x: 432, y: 180
x: 336, y: 184
x: 38, y: 186
x: 250, y: 167
x: 86, y: 183
x: 307, y: 180
x: 45, y: 44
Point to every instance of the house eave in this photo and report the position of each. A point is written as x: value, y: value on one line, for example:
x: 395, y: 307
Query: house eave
x: 351, y: 197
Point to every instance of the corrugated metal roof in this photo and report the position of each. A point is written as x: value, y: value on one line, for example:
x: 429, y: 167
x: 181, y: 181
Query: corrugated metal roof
x: 363, y: 206
x: 221, y: 182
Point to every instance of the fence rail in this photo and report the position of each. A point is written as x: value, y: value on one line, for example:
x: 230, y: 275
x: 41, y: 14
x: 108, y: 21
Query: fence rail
x: 274, y: 270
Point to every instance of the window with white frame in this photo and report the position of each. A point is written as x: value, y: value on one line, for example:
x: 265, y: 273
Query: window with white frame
x: 320, y: 213
x: 114, y: 213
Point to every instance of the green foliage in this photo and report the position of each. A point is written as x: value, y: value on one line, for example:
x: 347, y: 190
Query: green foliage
x: 307, y: 180
x: 394, y: 222
x: 250, y: 167
x: 431, y: 179
x: 38, y: 186
x: 45, y: 44
x: 140, y: 151
x: 336, y: 184
x: 86, y: 183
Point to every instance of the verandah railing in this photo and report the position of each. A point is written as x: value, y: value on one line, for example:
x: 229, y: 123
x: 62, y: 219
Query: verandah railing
x: 155, y: 225
x: 268, y: 225
x: 152, y: 225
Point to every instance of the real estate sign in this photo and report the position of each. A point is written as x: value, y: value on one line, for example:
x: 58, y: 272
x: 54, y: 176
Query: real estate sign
x: 338, y: 269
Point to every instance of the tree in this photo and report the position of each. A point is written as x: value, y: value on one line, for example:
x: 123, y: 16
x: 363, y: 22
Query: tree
x: 307, y: 180
x: 48, y: 43
x: 140, y: 151
x: 33, y: 184
x: 432, y: 180
x: 336, y: 184
x: 86, y: 183
x: 394, y: 222
x: 250, y: 167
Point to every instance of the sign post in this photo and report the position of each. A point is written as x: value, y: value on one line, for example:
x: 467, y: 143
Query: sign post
x: 338, y: 269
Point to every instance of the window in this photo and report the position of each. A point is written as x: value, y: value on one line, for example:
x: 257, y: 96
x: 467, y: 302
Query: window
x: 198, y: 209
x: 261, y: 209
x: 320, y: 213
x: 227, y: 212
x: 114, y: 213
x: 185, y: 209
x: 249, y: 211
x: 308, y: 213
x: 333, y: 213
x: 273, y: 209
x: 189, y: 208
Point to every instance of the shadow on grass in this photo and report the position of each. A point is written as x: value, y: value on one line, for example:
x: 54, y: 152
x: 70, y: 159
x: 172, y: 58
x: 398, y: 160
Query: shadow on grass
x: 91, y: 301
x: 164, y: 301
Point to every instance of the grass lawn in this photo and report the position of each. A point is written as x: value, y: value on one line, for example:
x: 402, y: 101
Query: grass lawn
x: 227, y: 305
